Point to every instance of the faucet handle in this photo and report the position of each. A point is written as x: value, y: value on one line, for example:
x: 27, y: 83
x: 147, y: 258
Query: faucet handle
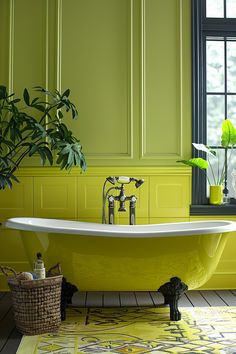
x: 123, y: 179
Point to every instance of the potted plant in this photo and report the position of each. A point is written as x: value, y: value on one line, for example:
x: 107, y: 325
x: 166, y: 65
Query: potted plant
x: 228, y: 140
x: 35, y: 126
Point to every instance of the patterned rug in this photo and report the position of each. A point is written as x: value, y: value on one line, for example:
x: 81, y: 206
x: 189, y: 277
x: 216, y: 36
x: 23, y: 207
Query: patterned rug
x: 139, y: 331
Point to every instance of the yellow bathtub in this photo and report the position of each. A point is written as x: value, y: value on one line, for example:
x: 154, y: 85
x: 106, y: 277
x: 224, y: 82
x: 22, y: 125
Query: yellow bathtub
x: 120, y: 257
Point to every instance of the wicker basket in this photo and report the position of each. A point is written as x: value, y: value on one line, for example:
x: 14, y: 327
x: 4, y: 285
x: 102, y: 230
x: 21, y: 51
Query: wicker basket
x: 36, y: 303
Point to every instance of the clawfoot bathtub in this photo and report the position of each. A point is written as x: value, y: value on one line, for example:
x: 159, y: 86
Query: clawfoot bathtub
x: 137, y: 257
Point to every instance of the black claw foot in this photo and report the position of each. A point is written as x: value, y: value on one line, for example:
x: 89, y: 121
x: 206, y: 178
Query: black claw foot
x: 172, y: 292
x: 67, y: 292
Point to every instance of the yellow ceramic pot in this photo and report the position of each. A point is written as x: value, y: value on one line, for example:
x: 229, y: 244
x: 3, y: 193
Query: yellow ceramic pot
x: 216, y: 195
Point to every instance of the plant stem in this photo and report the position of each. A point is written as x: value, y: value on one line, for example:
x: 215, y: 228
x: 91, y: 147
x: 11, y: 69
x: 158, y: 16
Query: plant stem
x: 48, y: 110
x: 207, y: 178
x: 18, y: 161
x: 223, y: 172
x: 212, y: 172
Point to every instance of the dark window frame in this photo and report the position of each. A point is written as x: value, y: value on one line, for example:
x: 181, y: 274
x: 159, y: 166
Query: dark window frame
x: 201, y: 28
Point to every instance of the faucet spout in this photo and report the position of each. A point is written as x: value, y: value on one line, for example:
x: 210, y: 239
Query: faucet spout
x: 122, y: 198
x: 122, y: 206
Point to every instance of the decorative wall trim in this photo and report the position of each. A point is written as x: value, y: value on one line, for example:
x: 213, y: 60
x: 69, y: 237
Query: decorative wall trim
x: 143, y: 79
x: 45, y: 32
x: 130, y: 113
x: 46, y: 66
x: 130, y: 109
x: 59, y: 44
x: 144, y: 154
x: 105, y: 171
x: 181, y: 73
x: 11, y: 45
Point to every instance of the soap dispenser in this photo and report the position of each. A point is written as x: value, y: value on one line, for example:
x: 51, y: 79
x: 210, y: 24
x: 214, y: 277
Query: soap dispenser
x: 39, y: 269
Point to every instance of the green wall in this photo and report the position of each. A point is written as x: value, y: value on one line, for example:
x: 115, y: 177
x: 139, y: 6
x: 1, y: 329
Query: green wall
x: 127, y: 63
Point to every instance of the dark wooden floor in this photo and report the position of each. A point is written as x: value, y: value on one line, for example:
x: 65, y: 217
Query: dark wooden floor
x: 10, y: 338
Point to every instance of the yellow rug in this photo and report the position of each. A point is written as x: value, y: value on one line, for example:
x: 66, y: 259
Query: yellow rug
x: 139, y: 331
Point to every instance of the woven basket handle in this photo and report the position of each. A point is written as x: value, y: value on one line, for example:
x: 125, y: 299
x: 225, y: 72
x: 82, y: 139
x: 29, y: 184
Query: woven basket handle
x: 56, y: 267
x: 6, y: 269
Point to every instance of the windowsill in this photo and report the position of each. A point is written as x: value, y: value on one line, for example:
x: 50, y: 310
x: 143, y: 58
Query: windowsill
x: 204, y: 210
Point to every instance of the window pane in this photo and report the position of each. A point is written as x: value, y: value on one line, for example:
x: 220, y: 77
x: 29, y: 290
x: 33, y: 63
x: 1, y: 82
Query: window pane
x: 231, y: 8
x: 218, y: 168
x: 215, y: 117
x: 231, y: 108
x: 231, y: 175
x: 231, y: 66
x: 214, y: 8
x: 215, y: 66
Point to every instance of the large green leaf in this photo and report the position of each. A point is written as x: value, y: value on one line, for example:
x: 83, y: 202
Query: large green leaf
x: 228, y: 137
x: 66, y: 93
x: 204, y: 148
x: 3, y: 92
x: 48, y: 155
x: 196, y: 162
x: 26, y: 97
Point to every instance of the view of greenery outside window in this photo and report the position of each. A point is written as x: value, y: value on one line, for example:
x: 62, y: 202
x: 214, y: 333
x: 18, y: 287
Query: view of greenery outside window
x: 214, y: 87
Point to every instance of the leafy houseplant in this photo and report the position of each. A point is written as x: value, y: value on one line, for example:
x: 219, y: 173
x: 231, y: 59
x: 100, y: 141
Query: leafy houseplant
x: 29, y: 127
x: 228, y: 140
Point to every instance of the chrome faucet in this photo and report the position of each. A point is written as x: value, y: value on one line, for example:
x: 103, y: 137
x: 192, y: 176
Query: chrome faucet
x: 121, y: 198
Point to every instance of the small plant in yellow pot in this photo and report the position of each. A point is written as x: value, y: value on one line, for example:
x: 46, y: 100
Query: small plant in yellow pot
x: 228, y: 140
x: 216, y: 195
x: 35, y: 126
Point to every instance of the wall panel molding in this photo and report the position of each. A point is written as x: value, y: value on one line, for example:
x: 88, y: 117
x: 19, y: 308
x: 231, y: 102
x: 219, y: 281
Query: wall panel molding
x: 58, y: 44
x: 55, y: 197
x: 7, y: 43
x: 106, y: 171
x: 46, y: 67
x: 19, y: 200
x: 107, y: 59
x: 11, y: 45
x: 29, y: 44
x: 15, y: 13
x: 157, y: 152
x: 170, y: 196
x: 128, y: 155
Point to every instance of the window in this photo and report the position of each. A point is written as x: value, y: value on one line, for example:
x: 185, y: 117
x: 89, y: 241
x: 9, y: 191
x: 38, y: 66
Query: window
x: 214, y: 92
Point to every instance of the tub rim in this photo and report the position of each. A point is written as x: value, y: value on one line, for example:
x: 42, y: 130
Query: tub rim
x: 83, y: 228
